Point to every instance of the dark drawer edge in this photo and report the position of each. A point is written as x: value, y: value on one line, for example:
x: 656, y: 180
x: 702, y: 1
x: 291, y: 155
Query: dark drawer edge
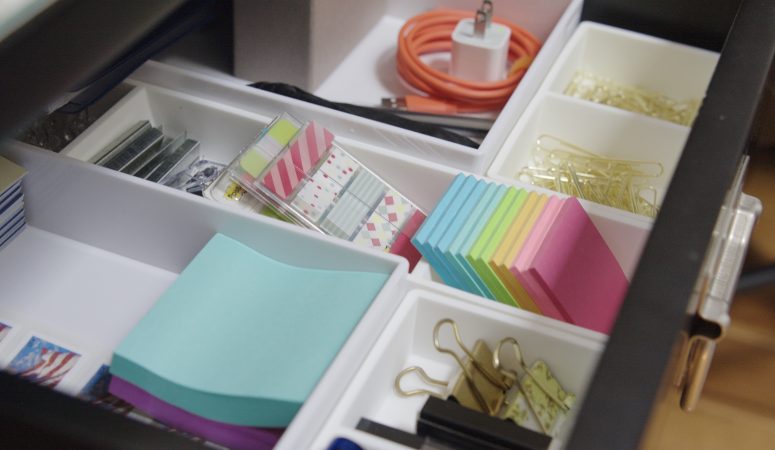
x: 631, y: 369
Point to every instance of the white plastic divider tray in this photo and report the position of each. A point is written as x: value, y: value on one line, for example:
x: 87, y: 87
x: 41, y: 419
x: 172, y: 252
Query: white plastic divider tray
x: 611, y: 132
x: 101, y: 247
x: 224, y: 131
x: 628, y: 58
x: 367, y: 72
x: 570, y: 352
x: 373, y: 63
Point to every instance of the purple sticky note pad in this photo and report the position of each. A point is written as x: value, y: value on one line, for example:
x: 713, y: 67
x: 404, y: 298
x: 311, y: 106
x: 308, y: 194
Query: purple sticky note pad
x: 232, y: 436
x: 579, y: 272
x: 522, y: 263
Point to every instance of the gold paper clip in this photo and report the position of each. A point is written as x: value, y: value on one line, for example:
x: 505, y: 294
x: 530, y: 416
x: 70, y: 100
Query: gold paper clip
x: 591, y: 87
x: 566, y: 168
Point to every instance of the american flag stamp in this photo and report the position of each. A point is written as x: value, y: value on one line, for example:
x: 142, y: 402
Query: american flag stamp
x: 42, y: 362
x: 4, y: 330
x: 97, y: 386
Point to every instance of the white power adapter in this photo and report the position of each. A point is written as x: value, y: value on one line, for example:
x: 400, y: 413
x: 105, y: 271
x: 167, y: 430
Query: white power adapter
x: 480, y: 49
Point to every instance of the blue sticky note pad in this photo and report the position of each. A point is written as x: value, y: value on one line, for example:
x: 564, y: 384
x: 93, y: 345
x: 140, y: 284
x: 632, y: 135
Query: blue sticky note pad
x: 471, y: 231
x: 463, y: 234
x: 420, y: 239
x: 241, y: 338
x: 453, y: 210
x: 441, y: 247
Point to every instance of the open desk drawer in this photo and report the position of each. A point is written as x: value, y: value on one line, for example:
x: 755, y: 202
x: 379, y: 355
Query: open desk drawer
x: 632, y: 362
x: 223, y: 131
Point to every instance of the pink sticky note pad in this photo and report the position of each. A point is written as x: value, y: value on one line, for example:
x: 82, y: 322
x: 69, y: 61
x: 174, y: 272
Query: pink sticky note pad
x: 519, y: 268
x: 579, y: 272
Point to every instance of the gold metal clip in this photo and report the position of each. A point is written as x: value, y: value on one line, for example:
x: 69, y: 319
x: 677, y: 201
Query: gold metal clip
x: 547, y: 402
x: 479, y: 386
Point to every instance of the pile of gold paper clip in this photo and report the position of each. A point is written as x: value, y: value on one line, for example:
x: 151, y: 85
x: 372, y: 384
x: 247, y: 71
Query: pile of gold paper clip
x: 566, y: 168
x: 588, y: 86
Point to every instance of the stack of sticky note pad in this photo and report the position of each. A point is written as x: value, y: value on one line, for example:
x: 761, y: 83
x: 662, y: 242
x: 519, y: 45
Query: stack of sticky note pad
x: 300, y: 170
x: 534, y: 251
x: 11, y: 201
x: 236, y: 344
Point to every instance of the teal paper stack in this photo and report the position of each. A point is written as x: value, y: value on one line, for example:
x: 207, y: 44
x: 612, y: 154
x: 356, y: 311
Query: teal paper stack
x: 241, y: 338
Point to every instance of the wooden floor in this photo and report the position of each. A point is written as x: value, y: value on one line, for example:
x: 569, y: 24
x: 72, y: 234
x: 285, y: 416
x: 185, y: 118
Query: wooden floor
x: 737, y: 408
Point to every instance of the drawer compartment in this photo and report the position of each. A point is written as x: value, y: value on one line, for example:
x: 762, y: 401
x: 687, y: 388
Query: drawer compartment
x: 611, y: 95
x: 105, y: 247
x: 570, y: 352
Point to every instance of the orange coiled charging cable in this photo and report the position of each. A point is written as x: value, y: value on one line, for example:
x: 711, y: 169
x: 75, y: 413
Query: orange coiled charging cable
x: 431, y: 32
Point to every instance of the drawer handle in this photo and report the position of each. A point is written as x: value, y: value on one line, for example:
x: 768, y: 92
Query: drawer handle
x: 715, y: 289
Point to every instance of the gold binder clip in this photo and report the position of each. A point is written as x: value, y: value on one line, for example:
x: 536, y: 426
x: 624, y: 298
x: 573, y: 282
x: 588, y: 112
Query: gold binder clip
x: 479, y: 385
x: 424, y: 376
x: 546, y: 400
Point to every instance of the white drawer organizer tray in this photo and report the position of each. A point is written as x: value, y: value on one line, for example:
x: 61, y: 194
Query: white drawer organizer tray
x: 359, y: 67
x: 223, y: 131
x: 101, y: 247
x: 677, y: 71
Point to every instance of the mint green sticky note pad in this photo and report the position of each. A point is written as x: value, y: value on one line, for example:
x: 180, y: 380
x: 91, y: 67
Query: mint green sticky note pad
x: 474, y: 256
x: 242, y: 338
x: 483, y: 259
x: 472, y: 229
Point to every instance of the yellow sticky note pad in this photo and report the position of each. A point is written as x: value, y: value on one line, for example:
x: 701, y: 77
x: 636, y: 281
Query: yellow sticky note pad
x: 516, y: 236
x: 508, y: 280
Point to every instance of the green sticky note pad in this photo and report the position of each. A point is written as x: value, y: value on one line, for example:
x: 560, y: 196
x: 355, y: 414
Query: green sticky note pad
x: 475, y: 256
x: 242, y: 338
x: 496, y: 241
x: 472, y: 229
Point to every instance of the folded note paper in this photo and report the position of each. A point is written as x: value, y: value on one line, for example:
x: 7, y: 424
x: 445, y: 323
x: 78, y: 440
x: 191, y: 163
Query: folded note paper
x: 233, y: 436
x: 241, y: 338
